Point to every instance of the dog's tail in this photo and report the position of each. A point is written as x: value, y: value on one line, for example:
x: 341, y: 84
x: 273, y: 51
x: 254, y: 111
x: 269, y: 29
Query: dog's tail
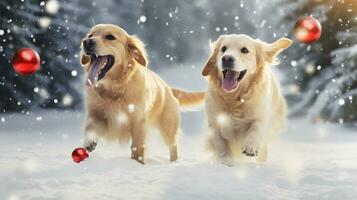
x: 189, y: 99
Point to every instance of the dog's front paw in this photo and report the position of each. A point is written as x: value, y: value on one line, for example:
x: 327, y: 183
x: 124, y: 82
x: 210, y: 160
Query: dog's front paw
x: 90, y: 145
x: 251, y: 146
x: 227, y: 161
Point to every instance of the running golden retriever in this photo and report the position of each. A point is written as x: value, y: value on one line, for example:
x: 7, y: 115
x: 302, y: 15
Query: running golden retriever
x: 244, y: 104
x: 123, y: 97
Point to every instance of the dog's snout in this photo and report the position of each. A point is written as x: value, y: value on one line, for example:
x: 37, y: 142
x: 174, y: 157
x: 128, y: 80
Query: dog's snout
x: 227, y: 61
x: 89, y: 45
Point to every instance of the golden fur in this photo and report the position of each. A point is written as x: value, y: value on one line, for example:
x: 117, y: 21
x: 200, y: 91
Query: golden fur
x: 130, y: 97
x: 248, y: 118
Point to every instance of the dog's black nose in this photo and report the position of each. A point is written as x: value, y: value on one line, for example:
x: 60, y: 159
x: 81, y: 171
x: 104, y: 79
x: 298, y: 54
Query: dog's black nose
x: 227, y: 61
x: 89, y: 45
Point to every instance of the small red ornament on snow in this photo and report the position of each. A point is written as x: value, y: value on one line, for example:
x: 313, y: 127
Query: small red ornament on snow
x: 26, y: 61
x: 307, y: 30
x: 79, y: 154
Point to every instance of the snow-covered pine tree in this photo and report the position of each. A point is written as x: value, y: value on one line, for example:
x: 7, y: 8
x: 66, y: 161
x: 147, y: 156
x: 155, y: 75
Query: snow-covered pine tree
x: 13, y: 35
x: 321, y: 79
x: 231, y: 17
x: 51, y: 29
x: 169, y: 27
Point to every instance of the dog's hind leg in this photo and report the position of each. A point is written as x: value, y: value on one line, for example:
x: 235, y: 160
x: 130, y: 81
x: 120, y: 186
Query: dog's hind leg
x: 168, y: 125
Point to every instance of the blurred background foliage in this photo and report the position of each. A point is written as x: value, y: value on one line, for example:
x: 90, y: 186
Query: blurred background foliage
x: 319, y: 79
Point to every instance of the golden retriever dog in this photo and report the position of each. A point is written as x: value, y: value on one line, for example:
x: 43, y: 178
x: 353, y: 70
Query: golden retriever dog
x: 244, y: 105
x: 123, y: 97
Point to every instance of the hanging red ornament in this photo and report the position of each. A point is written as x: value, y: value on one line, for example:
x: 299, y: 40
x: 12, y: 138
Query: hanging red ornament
x: 79, y: 154
x: 26, y: 61
x: 307, y: 30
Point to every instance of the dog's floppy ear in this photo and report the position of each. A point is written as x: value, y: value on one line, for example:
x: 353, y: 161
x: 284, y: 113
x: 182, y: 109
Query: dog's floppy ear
x: 212, y: 60
x: 137, y: 49
x: 273, y: 49
x: 84, y: 60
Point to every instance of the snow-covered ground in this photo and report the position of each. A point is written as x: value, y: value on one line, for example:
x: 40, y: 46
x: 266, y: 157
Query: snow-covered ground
x: 310, y: 162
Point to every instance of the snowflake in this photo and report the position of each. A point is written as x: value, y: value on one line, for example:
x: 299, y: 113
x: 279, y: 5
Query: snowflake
x: 142, y: 19
x: 131, y: 108
x: 340, y: 121
x: 74, y: 73
x: 341, y: 102
x: 39, y: 118
x: 293, y: 89
x: 241, y: 4
x: 222, y: 119
x: 309, y: 69
x: 36, y: 89
x: 122, y: 118
x: 67, y: 100
x: 44, y: 22
x: 2, y: 32
x: 52, y: 6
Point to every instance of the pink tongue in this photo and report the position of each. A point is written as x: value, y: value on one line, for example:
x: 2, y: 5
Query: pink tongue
x: 230, y: 80
x: 93, y: 71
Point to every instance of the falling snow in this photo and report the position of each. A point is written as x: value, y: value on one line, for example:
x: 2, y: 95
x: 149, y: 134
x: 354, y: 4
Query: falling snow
x: 142, y: 19
x: 52, y: 6
x: 44, y: 22
x: 131, y: 108
x: 74, y: 73
x: 341, y: 102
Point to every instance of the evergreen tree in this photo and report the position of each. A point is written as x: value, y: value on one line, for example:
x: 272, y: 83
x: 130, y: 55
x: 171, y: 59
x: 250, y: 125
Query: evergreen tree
x: 321, y: 78
x: 49, y: 28
x: 168, y: 27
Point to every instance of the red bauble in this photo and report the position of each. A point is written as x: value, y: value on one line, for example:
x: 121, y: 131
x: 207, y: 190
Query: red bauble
x: 79, y: 154
x: 26, y: 61
x: 307, y: 30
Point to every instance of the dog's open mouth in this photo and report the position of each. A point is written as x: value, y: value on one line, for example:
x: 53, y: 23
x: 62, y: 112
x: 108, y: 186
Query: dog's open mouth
x: 231, y: 79
x: 99, y: 67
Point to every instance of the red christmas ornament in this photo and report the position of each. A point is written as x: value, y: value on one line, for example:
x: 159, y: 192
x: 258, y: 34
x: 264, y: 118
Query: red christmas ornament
x: 79, y: 154
x: 26, y: 61
x: 307, y: 30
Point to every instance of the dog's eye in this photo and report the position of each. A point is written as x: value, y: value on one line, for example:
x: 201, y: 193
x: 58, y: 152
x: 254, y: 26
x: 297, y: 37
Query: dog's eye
x: 244, y: 50
x: 109, y: 37
x: 224, y: 48
x: 89, y: 36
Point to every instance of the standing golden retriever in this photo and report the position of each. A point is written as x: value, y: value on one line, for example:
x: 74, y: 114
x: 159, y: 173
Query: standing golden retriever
x: 123, y: 97
x: 244, y: 104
